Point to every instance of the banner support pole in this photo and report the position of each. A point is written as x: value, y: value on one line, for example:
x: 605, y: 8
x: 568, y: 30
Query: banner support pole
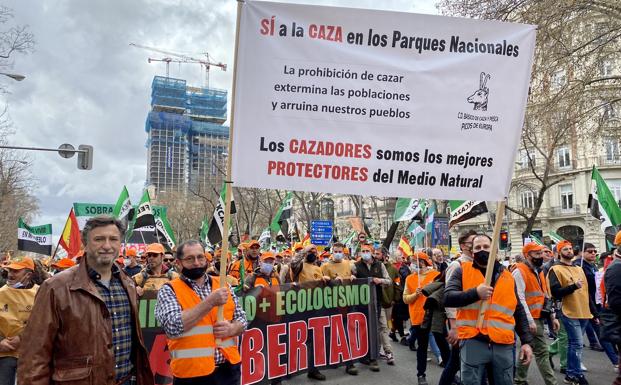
x: 500, y: 212
x: 228, y: 183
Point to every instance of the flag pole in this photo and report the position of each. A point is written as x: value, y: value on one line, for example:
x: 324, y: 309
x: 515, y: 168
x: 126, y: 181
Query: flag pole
x: 228, y: 182
x: 585, y: 219
x: 61, y: 235
x: 489, y: 272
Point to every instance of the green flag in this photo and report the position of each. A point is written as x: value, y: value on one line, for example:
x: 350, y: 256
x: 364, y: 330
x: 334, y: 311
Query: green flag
x: 407, y: 208
x: 123, y: 209
x: 464, y: 210
x: 144, y: 217
x: 280, y: 223
x: 554, y: 237
x: 36, y: 239
x: 536, y: 239
x: 417, y: 235
x: 165, y: 234
x: 602, y: 203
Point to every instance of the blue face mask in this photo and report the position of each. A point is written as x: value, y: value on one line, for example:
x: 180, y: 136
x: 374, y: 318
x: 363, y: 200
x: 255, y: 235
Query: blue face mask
x: 367, y: 257
x: 337, y: 256
x: 266, y: 268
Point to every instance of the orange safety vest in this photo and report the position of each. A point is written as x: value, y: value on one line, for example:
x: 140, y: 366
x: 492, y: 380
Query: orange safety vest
x: 192, y: 354
x: 498, y: 321
x: 535, y: 293
x: 236, y: 267
x: 262, y: 281
x: 417, y: 313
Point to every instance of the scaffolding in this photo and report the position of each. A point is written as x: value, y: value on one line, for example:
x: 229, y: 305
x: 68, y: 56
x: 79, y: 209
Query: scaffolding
x: 186, y: 141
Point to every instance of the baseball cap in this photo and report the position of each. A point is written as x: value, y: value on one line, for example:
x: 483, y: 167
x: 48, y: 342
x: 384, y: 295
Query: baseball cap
x: 19, y: 263
x: 208, y: 256
x: 130, y: 252
x: 155, y: 248
x: 253, y: 242
x: 63, y: 263
x: 618, y: 239
x: 531, y: 246
x: 562, y: 244
x: 267, y: 255
x: 297, y: 246
x: 421, y: 256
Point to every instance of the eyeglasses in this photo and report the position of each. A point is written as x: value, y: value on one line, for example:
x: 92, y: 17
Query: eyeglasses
x: 191, y: 258
x: 591, y: 251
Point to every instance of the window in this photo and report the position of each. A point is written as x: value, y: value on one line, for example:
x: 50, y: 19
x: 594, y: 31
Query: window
x: 615, y: 189
x: 527, y: 199
x: 605, y: 67
x: 611, y: 146
x: 559, y: 78
x: 564, y: 158
x: 567, y: 197
x: 524, y: 155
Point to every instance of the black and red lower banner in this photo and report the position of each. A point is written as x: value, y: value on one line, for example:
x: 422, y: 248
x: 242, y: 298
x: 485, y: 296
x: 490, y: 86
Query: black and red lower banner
x: 291, y: 328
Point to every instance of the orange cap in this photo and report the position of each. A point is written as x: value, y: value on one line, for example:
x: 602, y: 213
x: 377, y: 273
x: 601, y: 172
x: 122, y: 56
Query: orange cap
x: 64, y: 263
x: 130, y: 252
x: 618, y: 239
x: 346, y: 251
x: 421, y: 256
x: 119, y: 261
x: 243, y: 245
x: 253, y: 242
x: 531, y: 246
x: 20, y: 263
x: 562, y: 244
x: 208, y: 256
x: 155, y: 248
x: 267, y: 255
x: 298, y: 246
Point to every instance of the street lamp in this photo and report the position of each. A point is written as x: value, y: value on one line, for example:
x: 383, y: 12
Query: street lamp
x: 15, y: 77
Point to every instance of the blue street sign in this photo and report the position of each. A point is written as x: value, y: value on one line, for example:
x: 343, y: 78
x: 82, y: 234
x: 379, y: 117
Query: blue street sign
x: 321, y: 232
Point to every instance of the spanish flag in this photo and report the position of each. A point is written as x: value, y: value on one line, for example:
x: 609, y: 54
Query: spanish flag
x: 307, y: 240
x: 70, y: 238
x: 405, y: 248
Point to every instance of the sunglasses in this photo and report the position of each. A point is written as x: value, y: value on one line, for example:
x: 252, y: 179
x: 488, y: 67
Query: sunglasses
x: 168, y: 260
x: 591, y: 251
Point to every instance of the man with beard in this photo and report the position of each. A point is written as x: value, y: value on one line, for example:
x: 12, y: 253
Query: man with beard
x: 532, y: 292
x: 568, y: 284
x: 250, y: 261
x: 87, y: 328
x: 154, y: 275
x: 203, y: 350
x: 490, y: 345
x: 16, y: 300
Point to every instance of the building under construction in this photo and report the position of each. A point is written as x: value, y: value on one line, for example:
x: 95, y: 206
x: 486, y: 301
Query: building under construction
x: 187, y: 140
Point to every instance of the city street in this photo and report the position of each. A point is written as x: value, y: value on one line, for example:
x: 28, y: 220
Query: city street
x: 600, y: 371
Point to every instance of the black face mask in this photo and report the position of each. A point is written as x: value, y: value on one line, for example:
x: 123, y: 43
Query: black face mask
x: 481, y: 257
x: 217, y: 265
x: 194, y: 273
x: 310, y: 257
x: 537, y: 262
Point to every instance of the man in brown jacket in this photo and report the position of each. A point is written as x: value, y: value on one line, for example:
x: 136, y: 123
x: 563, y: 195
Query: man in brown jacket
x: 85, y: 327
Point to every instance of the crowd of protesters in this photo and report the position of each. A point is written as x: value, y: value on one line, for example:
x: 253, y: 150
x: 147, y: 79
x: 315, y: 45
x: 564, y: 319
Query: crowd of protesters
x: 75, y: 320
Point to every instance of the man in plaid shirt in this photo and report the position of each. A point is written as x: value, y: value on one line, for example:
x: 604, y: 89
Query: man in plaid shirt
x: 182, y: 323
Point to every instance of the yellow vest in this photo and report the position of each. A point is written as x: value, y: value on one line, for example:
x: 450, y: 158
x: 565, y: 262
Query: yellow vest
x: 15, y: 308
x: 576, y: 304
x: 310, y: 272
x: 336, y: 269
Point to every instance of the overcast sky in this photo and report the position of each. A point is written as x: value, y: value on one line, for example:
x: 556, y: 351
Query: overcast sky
x: 85, y: 85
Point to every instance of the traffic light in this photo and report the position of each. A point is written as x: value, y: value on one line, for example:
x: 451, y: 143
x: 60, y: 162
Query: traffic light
x: 504, y: 239
x: 85, y: 159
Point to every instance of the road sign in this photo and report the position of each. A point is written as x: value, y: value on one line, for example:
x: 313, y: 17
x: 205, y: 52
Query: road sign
x: 321, y: 232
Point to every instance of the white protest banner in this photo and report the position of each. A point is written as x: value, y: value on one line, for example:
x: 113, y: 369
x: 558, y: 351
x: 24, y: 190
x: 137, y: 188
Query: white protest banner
x: 356, y: 101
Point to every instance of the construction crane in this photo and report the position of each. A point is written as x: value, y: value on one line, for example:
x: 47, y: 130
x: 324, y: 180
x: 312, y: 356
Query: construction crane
x: 173, y: 57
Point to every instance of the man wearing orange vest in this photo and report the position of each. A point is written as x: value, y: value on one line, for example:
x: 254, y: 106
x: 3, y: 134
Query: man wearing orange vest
x: 413, y: 296
x: 532, y: 292
x: 250, y: 261
x: 264, y: 275
x: 491, y: 343
x: 202, y: 349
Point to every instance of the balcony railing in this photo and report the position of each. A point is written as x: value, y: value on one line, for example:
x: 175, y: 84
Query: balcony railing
x: 559, y: 211
x: 610, y: 160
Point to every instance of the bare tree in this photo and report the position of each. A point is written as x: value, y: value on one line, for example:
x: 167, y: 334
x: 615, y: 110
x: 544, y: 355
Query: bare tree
x: 572, y: 88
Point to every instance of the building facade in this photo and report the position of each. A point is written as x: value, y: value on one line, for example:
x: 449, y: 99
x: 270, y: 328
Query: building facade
x: 187, y: 140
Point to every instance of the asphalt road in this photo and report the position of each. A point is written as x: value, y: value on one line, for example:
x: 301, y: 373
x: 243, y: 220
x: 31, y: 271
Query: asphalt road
x: 600, y: 371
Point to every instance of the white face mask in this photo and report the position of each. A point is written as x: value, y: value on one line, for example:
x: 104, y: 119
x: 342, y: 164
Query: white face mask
x: 366, y: 256
x: 337, y: 256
